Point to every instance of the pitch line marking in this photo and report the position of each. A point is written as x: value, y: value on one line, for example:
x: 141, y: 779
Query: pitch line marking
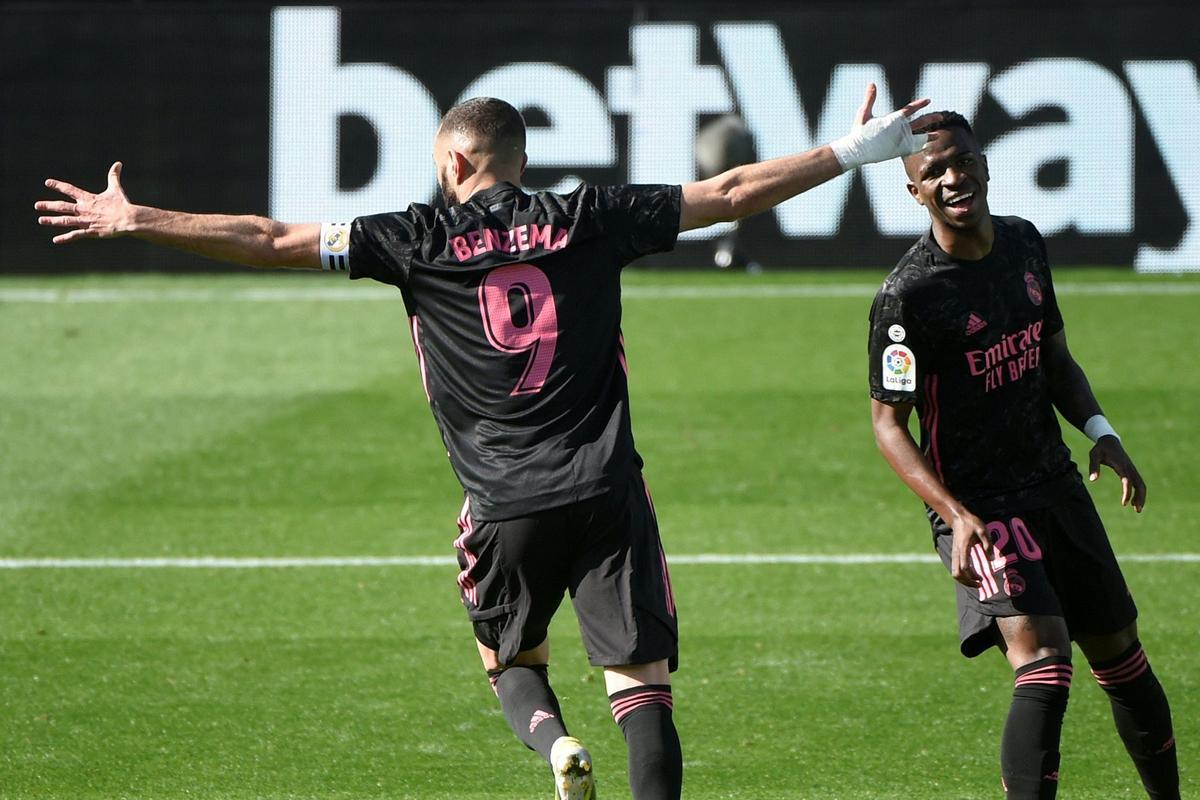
x: 219, y: 562
x: 279, y: 294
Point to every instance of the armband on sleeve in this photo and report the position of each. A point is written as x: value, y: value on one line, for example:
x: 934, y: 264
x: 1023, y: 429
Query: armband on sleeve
x: 335, y: 246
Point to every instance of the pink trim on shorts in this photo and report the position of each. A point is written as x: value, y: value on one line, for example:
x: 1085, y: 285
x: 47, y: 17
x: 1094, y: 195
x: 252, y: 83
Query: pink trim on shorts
x: 987, y: 581
x: 662, y: 556
x: 467, y: 527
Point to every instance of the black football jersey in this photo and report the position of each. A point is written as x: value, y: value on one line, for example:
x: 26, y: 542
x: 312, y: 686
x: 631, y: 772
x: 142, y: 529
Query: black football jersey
x: 961, y: 341
x: 514, y: 306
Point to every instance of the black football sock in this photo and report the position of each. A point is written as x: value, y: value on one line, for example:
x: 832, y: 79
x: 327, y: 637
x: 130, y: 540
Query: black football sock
x: 530, y: 706
x: 655, y: 758
x: 1143, y: 717
x: 1029, y: 748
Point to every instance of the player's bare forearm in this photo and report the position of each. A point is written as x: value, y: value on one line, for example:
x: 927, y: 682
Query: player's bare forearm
x: 894, y: 441
x: 968, y: 531
x: 750, y: 189
x: 251, y: 240
x: 243, y: 239
x: 753, y: 188
x: 1070, y: 390
x: 1073, y: 397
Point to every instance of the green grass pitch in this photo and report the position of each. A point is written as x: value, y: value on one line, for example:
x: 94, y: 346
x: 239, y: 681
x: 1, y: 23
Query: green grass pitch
x: 177, y: 417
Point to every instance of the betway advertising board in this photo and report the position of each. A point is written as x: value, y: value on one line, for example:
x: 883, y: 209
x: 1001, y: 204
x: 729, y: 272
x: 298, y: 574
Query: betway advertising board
x: 323, y: 113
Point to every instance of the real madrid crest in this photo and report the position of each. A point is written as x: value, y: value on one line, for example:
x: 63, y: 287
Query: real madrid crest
x: 336, y: 240
x: 1033, y: 288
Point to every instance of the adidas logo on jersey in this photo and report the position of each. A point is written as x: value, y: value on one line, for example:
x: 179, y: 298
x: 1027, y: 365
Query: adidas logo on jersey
x: 975, y: 324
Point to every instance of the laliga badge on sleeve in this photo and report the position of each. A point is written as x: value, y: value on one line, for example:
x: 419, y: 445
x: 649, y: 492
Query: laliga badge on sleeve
x: 899, y: 369
x: 896, y: 333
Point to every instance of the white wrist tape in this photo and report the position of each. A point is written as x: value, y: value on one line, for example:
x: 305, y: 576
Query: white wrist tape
x: 878, y: 139
x: 1098, y: 426
x: 335, y: 246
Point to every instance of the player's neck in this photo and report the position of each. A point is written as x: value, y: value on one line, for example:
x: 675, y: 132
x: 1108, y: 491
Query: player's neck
x: 970, y: 244
x: 485, y: 180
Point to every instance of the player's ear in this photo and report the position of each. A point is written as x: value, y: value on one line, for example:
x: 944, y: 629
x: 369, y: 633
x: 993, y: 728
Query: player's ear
x: 912, y: 189
x: 524, y: 163
x: 461, y: 166
x: 986, y: 175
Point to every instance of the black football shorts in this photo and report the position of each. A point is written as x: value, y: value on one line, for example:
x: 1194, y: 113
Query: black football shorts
x: 1053, y: 561
x: 604, y: 550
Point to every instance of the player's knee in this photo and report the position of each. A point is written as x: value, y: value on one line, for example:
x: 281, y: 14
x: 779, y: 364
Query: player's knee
x: 1022, y: 654
x: 494, y: 679
x: 490, y: 655
x: 632, y: 675
x: 494, y: 675
x: 1041, y: 653
x: 1100, y: 647
x: 1032, y: 638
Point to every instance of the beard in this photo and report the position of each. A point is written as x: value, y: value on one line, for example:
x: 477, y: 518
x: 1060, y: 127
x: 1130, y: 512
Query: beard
x: 448, y: 195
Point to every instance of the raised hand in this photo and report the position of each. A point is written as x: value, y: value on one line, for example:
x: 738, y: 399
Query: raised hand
x: 87, y: 215
x: 1109, y: 450
x: 864, y: 114
x: 874, y: 139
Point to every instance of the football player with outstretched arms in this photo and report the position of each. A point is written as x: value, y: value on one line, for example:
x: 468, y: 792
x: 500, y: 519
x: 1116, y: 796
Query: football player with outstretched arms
x: 966, y: 331
x: 513, y: 301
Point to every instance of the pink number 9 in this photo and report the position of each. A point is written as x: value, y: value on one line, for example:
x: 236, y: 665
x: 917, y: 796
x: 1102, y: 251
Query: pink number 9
x: 537, y: 335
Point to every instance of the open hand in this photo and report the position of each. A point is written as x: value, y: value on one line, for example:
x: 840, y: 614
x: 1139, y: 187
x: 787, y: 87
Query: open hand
x: 921, y: 123
x: 879, y: 139
x: 87, y: 215
x: 1109, y: 450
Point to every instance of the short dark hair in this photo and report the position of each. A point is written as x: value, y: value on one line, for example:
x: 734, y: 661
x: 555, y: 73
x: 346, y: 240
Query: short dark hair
x: 951, y: 119
x: 494, y: 125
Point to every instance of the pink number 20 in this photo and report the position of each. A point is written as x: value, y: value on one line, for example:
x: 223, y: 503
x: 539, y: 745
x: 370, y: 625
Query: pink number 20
x: 538, y: 330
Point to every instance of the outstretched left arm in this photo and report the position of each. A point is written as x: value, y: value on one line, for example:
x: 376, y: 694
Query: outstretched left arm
x: 1073, y: 397
x: 753, y: 188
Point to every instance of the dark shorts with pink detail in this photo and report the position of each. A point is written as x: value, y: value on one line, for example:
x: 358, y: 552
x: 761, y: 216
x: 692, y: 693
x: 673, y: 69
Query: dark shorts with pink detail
x: 604, y: 551
x: 1054, y: 561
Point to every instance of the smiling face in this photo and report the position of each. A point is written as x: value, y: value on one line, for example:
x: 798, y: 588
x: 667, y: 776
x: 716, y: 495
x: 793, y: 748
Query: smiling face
x: 950, y: 178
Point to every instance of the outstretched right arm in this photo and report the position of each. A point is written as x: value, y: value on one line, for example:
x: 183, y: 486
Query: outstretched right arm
x: 254, y: 241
